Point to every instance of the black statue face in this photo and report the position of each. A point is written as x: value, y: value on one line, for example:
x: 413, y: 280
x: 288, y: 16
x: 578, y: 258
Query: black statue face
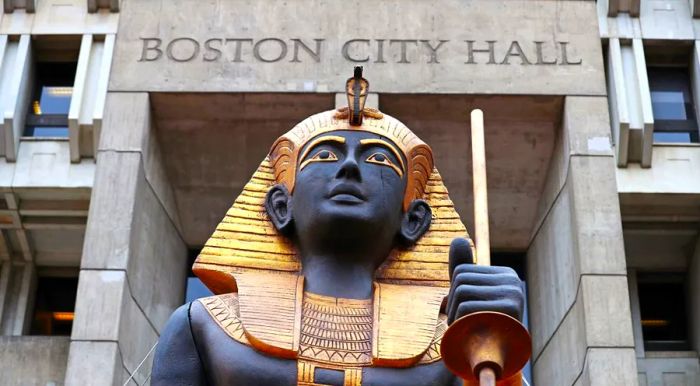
x: 348, y: 194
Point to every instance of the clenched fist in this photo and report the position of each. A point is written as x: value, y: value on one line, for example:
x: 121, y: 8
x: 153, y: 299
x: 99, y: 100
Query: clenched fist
x: 481, y: 288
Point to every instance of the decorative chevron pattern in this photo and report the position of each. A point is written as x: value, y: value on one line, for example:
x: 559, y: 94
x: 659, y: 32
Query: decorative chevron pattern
x: 433, y: 353
x: 224, y: 310
x: 336, y: 331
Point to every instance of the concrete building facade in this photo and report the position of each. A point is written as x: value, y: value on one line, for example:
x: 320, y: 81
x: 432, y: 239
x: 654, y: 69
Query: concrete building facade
x: 131, y: 126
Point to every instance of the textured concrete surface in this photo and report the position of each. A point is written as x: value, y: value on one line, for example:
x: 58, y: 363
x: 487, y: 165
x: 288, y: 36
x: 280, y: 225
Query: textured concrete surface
x: 578, y: 296
x: 134, y: 261
x: 411, y: 66
x: 33, y: 360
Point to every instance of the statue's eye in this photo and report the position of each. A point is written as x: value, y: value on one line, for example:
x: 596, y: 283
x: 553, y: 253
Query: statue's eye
x: 382, y: 159
x: 320, y: 156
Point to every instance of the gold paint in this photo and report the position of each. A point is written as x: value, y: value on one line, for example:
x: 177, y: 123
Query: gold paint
x: 284, y: 154
x: 247, y: 255
x: 306, y: 372
x: 224, y: 310
x: 317, y: 141
x: 374, y: 141
x: 336, y: 331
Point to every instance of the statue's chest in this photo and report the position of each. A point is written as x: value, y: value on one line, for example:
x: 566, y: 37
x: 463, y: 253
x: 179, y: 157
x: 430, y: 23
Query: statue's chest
x: 335, y: 340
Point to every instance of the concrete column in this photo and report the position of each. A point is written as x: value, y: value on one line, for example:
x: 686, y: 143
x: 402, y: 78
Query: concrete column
x: 17, y: 287
x: 577, y: 280
x: 133, y: 265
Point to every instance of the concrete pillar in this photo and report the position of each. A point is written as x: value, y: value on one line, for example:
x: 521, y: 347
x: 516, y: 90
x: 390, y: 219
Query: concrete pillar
x: 17, y: 287
x: 577, y: 280
x: 133, y: 265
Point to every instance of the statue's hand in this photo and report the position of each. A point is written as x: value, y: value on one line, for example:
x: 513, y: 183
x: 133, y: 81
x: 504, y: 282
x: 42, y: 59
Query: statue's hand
x: 481, y: 288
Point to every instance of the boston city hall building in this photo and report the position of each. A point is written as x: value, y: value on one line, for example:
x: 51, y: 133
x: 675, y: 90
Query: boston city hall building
x: 129, y: 127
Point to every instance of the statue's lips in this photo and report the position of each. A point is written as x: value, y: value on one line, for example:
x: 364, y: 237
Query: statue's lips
x: 347, y: 194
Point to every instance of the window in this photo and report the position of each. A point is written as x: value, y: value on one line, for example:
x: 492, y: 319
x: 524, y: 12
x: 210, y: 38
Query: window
x: 51, y: 96
x: 672, y: 105
x: 54, y: 306
x: 662, y: 303
x: 195, y: 288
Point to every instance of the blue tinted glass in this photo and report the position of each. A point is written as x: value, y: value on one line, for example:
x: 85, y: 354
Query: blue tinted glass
x: 196, y: 290
x: 47, y: 132
x: 668, y: 105
x: 55, y: 100
x: 668, y: 137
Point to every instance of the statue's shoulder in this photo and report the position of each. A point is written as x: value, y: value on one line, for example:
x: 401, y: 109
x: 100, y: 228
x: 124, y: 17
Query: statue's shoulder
x: 433, y: 353
x: 224, y: 310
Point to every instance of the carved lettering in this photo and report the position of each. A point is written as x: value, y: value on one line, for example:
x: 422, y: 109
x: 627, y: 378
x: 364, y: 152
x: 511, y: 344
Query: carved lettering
x: 209, y: 49
x: 346, y: 51
x: 194, y: 46
x: 403, y: 43
x: 315, y: 55
x: 517, y: 51
x: 433, y: 49
x: 237, y: 48
x: 565, y: 55
x: 540, y: 54
x: 380, y: 51
x: 282, y: 50
x: 471, y: 50
x: 400, y: 51
x: 145, y: 48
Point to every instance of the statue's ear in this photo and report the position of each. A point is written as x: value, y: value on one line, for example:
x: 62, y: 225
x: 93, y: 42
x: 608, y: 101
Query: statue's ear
x: 278, y: 204
x: 415, y: 223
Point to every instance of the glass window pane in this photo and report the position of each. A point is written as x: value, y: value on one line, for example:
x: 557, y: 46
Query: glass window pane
x: 667, y: 137
x: 40, y: 131
x: 53, y: 100
x: 672, y: 105
x: 668, y: 105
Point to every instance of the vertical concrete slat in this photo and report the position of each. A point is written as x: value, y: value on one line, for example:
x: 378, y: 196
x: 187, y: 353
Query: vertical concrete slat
x: 636, y: 313
x: 17, y: 101
x: 695, y: 75
x: 76, y: 102
x: 25, y: 300
x: 618, y: 102
x: 4, y: 286
x: 101, y: 94
x: 647, y: 116
x: 3, y: 63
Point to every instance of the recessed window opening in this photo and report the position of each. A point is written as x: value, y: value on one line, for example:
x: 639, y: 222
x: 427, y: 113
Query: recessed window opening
x: 51, y: 97
x: 54, y: 306
x: 663, y: 308
x: 195, y: 289
x: 675, y: 118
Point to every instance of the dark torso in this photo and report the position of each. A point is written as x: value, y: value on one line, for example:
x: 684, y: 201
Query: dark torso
x: 228, y: 362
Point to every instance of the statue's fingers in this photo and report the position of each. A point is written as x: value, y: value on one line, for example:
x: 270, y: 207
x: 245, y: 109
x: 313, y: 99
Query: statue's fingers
x: 460, y: 253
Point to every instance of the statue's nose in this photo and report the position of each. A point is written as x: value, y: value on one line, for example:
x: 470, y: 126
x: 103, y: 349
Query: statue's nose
x: 349, y: 169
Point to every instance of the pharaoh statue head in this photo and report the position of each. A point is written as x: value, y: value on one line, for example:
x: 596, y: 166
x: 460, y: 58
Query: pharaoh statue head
x: 260, y: 232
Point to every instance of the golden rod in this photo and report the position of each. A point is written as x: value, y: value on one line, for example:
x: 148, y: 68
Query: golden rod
x: 481, y: 206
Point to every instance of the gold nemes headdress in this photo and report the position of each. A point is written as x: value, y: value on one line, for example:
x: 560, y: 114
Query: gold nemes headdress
x: 246, y: 239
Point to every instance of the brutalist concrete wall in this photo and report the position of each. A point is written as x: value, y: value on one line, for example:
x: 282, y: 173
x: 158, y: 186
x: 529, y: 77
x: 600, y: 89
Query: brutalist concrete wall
x: 579, y: 305
x: 33, y: 360
x: 134, y: 259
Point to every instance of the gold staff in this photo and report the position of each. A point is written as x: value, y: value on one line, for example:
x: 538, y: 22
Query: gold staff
x: 484, y: 346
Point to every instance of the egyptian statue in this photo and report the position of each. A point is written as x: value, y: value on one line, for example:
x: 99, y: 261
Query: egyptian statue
x: 342, y: 262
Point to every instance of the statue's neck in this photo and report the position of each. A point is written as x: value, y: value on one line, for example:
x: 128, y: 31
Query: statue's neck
x: 349, y: 278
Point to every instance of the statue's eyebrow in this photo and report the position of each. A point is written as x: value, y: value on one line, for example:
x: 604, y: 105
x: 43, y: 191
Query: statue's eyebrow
x: 320, y: 140
x: 385, y: 144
